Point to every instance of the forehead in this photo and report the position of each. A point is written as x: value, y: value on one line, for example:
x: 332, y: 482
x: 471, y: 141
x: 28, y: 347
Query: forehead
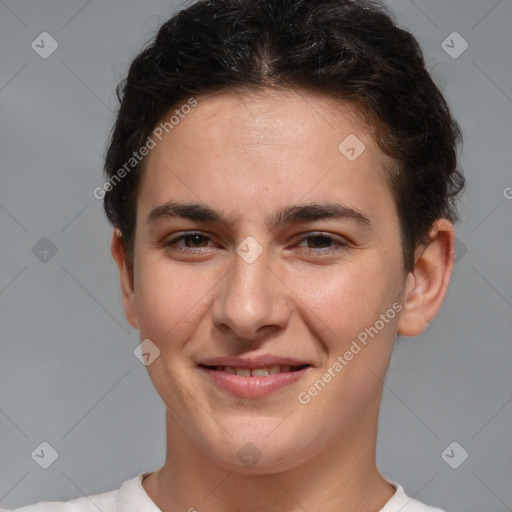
x: 265, y: 147
x: 270, y: 119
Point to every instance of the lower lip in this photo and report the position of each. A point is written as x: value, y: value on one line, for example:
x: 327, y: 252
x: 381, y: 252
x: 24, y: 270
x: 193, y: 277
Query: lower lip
x: 253, y: 387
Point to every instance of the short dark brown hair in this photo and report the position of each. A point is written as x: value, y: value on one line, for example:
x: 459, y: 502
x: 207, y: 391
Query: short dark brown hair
x: 349, y: 50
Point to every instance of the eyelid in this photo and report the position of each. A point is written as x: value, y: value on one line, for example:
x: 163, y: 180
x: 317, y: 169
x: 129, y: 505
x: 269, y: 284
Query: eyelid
x: 340, y: 243
x: 184, y: 234
x: 335, y: 238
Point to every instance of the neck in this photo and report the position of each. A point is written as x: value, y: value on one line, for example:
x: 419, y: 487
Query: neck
x: 341, y: 476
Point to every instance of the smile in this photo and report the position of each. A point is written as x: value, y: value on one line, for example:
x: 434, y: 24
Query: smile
x: 256, y: 372
x: 253, y: 382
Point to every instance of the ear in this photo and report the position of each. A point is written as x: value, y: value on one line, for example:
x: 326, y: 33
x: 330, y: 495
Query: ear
x: 126, y: 278
x: 426, y: 285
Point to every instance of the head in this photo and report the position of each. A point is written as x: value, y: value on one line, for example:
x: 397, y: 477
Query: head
x: 260, y: 125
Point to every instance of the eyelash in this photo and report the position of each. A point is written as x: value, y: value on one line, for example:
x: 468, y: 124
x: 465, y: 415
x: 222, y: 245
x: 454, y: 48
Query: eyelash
x: 338, y: 244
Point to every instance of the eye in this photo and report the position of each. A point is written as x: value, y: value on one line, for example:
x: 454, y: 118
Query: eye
x: 319, y: 243
x: 191, y: 241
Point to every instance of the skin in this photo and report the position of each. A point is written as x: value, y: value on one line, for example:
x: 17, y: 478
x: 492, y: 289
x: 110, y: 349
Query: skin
x: 249, y: 155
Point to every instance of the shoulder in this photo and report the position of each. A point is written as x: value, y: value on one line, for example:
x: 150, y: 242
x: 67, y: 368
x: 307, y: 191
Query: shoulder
x: 403, y: 503
x: 130, y: 497
x: 106, y: 502
x: 416, y: 506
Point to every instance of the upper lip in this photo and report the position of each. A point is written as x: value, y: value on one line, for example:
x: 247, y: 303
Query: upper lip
x: 260, y: 361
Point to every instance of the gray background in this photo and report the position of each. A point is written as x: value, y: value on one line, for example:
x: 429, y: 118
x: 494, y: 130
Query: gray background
x: 68, y: 373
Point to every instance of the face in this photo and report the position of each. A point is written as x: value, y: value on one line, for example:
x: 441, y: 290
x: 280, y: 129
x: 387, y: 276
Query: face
x: 290, y: 262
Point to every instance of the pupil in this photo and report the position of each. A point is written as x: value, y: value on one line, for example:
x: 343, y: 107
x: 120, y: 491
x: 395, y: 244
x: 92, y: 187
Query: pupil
x: 194, y: 240
x: 325, y: 240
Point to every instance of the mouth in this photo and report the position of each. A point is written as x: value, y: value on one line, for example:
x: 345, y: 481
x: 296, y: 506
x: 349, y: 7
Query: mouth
x: 253, y: 382
x: 264, y: 371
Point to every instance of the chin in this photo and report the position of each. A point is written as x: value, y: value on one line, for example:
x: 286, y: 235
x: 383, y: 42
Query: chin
x: 262, y: 455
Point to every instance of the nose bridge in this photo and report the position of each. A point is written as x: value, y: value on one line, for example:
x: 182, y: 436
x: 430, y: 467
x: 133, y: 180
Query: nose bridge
x: 252, y: 296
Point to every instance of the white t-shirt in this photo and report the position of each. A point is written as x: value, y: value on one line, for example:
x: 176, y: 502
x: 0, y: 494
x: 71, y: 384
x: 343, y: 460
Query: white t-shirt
x: 132, y: 497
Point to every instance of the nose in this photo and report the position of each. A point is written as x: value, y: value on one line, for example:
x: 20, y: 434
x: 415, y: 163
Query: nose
x: 253, y: 299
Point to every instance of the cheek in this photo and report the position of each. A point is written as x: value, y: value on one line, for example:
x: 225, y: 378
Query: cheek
x: 168, y: 300
x: 347, y: 298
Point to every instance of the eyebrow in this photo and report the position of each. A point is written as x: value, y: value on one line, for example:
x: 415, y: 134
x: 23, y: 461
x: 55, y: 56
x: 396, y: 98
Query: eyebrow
x: 292, y: 214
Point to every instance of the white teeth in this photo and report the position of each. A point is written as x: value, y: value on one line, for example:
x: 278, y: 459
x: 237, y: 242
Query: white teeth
x: 259, y: 372
x: 255, y: 372
x: 274, y: 369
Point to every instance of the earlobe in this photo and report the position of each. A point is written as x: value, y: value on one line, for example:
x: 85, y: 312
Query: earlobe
x: 126, y: 278
x: 426, y: 285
